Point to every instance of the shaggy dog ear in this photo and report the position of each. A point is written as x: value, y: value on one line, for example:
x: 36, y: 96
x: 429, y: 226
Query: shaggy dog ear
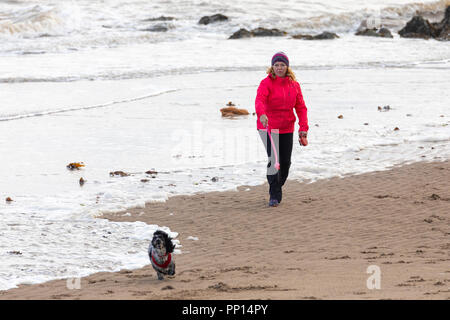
x: 169, y: 245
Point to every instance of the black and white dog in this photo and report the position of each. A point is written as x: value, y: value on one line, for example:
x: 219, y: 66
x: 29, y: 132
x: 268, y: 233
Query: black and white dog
x: 159, y: 252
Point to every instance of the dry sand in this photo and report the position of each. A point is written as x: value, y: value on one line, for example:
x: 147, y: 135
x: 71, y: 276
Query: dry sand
x: 317, y: 244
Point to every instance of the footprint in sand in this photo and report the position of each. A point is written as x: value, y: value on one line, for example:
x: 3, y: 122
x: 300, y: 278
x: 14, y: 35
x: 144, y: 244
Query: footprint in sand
x: 309, y: 200
x: 138, y: 276
x: 140, y: 293
x: 95, y: 281
x: 386, y: 196
x: 405, y: 285
x: 125, y: 271
x: 223, y: 287
x: 414, y: 279
x: 338, y: 258
x: 59, y: 296
x: 189, y: 271
x: 167, y: 288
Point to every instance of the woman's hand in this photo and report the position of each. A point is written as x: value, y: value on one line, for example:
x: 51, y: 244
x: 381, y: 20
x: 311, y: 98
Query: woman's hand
x: 303, y: 138
x: 264, y: 120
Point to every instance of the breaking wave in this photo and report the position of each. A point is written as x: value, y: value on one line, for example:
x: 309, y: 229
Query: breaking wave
x: 392, y: 16
x: 41, y: 20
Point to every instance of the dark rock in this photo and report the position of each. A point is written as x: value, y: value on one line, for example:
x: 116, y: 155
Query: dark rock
x: 263, y: 32
x: 367, y: 32
x: 303, y: 36
x: 258, y: 32
x: 438, y: 25
x: 162, y: 18
x: 385, y: 33
x: 323, y: 36
x: 158, y: 28
x: 444, y: 33
x: 326, y: 35
x: 418, y: 27
x: 447, y: 14
x: 211, y: 19
x: 382, y: 32
x: 241, y: 33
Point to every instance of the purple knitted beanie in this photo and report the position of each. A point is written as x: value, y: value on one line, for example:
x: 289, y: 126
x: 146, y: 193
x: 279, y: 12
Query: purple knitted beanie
x: 280, y: 56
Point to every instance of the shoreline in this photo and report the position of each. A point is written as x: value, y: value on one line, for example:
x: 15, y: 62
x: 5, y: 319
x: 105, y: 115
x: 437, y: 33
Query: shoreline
x: 317, y: 244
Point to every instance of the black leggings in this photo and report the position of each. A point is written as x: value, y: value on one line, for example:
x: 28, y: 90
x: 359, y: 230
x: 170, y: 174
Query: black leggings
x: 283, y: 144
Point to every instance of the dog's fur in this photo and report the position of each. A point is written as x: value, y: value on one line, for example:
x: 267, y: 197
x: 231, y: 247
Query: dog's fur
x: 161, y: 248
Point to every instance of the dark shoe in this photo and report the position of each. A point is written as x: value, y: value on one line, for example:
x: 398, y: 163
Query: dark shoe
x: 273, y: 203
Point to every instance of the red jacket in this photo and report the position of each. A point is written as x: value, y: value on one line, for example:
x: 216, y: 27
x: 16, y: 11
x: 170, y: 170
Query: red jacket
x: 276, y: 98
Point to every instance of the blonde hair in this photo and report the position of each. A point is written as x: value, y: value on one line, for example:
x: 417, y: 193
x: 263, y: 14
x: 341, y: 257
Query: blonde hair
x: 289, y: 73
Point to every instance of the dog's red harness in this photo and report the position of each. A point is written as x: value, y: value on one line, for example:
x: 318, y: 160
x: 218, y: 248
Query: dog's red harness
x: 165, y: 264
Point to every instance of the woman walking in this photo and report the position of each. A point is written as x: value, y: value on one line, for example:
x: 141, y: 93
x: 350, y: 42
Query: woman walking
x: 278, y: 94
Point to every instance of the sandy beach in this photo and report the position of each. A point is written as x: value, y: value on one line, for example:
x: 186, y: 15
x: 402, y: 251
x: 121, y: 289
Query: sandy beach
x: 318, y: 244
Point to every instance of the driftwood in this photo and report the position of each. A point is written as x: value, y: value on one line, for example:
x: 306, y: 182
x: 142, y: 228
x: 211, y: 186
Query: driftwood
x: 233, y: 111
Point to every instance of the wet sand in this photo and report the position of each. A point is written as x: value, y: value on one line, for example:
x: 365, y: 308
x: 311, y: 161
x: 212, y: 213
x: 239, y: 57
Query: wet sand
x: 317, y: 244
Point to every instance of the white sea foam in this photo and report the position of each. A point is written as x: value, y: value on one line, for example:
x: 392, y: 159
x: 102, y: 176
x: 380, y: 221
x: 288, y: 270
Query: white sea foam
x: 44, y: 19
x: 40, y: 248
